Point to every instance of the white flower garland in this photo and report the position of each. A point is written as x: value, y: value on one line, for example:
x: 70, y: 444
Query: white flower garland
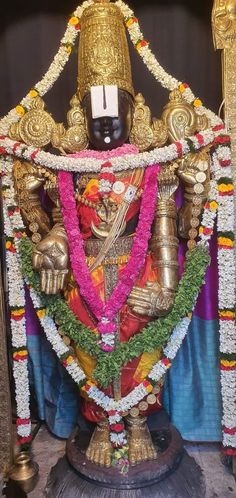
x: 52, y: 74
x: 159, y: 73
x: 122, y: 163
x: 16, y: 297
x: 227, y: 283
x: 62, y: 57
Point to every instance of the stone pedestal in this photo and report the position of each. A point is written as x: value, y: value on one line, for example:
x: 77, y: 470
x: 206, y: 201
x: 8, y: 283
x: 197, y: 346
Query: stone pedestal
x: 172, y: 475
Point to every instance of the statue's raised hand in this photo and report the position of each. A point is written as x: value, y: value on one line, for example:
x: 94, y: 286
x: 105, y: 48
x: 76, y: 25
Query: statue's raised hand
x: 168, y: 183
x: 50, y: 259
x: 191, y: 165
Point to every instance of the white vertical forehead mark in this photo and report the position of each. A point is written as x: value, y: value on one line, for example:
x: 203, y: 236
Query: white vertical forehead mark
x: 104, y: 101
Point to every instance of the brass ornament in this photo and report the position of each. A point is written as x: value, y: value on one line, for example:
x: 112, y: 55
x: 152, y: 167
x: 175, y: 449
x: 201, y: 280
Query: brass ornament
x: 201, y: 177
x: 224, y: 23
x: 103, y: 49
x: 160, y: 133
x: 194, y: 222
x: 75, y: 137
x: 143, y: 406
x: 24, y: 472
x: 146, y: 134
x: 198, y: 188
x: 197, y: 201
x: 151, y: 399
x: 35, y: 127
x: 181, y: 118
x: 134, y: 412
x: 27, y: 180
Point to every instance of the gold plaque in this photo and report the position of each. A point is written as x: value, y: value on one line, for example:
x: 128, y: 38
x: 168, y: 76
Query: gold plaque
x: 194, y: 222
x: 33, y: 227
x: 143, y: 406
x: 198, y: 188
x: 201, y: 177
x: 196, y: 211
x: 197, y: 201
x: 193, y: 233
x: 202, y: 165
x: 151, y: 399
x: 36, y: 237
x: 134, y: 412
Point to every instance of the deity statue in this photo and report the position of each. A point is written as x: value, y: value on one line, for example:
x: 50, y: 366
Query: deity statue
x: 106, y: 240
x: 105, y: 115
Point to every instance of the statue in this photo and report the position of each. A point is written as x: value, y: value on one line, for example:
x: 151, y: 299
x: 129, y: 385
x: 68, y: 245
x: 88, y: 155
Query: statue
x: 105, y: 242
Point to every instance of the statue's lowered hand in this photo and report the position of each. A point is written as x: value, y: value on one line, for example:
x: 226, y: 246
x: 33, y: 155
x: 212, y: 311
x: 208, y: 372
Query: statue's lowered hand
x: 151, y: 300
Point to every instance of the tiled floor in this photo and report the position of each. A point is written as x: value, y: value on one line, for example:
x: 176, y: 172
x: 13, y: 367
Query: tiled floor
x: 219, y: 482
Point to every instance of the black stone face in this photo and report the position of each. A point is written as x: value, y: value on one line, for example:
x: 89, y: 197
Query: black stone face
x: 117, y: 129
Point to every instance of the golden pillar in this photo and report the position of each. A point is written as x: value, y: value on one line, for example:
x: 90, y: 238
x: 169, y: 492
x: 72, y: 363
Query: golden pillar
x: 224, y: 36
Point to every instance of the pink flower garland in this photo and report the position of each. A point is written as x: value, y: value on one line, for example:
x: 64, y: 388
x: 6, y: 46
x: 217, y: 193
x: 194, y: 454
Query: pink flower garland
x: 105, y: 313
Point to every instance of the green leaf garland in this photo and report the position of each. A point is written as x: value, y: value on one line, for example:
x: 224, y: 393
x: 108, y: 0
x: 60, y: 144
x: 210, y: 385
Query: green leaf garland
x: 154, y: 336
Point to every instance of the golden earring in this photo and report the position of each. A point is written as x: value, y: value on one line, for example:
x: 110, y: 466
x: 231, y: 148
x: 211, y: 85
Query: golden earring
x: 75, y: 138
x: 146, y: 133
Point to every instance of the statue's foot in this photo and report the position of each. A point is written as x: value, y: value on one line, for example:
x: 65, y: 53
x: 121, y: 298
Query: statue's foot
x: 141, y: 447
x: 99, y: 450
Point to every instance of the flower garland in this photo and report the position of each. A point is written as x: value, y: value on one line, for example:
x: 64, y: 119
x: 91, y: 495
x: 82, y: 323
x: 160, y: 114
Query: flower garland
x: 221, y: 197
x: 16, y: 299
x: 106, y: 313
x: 51, y: 76
x: 63, y: 54
x: 124, y: 162
x: 166, y: 80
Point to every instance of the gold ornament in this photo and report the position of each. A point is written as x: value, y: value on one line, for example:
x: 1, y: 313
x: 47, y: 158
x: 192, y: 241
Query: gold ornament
x: 103, y: 49
x: 224, y: 23
x: 35, y: 127
x: 151, y: 399
x: 134, y: 412
x: 181, y: 118
x: 143, y: 406
x: 28, y: 179
x: 75, y: 137
x: 146, y: 134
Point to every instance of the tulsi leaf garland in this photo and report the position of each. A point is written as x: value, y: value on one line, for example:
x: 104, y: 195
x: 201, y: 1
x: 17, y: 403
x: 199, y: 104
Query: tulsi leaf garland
x: 154, y: 336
